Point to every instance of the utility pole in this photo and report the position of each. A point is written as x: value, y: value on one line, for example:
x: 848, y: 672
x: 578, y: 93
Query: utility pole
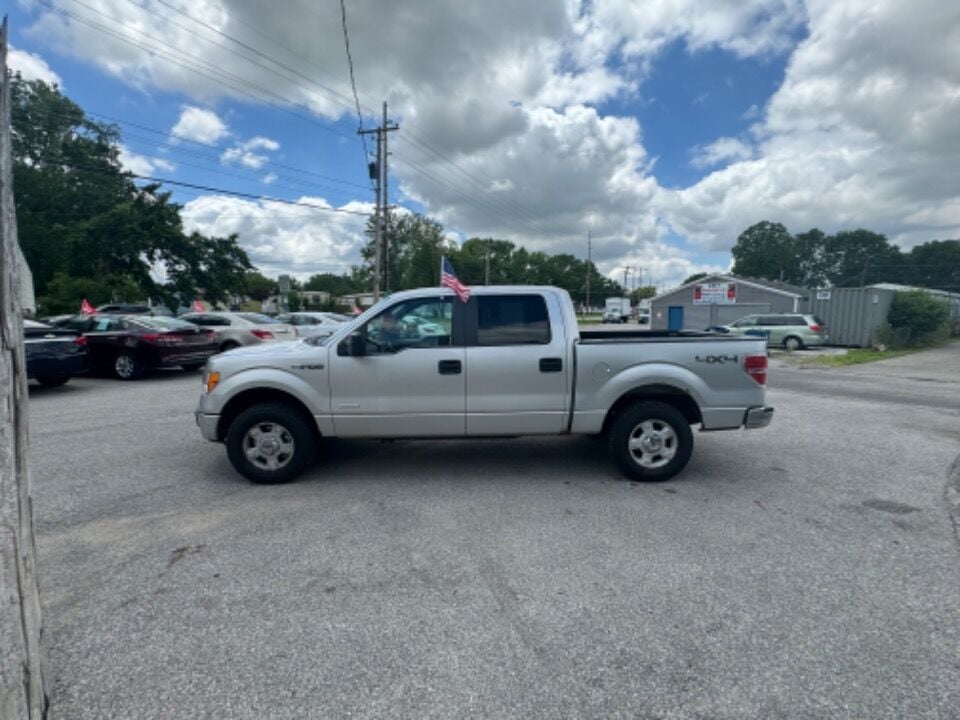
x: 626, y: 271
x: 589, y: 267
x: 378, y: 173
x: 21, y: 669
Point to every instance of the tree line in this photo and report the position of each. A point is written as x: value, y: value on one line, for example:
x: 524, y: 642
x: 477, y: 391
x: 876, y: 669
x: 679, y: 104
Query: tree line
x: 417, y: 243
x: 849, y: 258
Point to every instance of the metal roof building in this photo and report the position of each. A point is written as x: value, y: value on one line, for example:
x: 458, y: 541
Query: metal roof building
x: 721, y: 299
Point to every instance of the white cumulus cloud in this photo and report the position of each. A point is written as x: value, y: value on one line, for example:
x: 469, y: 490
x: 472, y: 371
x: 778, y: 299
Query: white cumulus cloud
x: 143, y: 164
x: 283, y: 238
x: 31, y: 66
x: 200, y: 125
x: 246, y: 153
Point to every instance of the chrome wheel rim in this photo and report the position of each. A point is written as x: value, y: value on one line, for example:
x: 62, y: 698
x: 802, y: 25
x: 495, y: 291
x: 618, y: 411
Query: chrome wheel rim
x: 793, y: 344
x: 268, y: 446
x: 652, y: 444
x: 124, y: 365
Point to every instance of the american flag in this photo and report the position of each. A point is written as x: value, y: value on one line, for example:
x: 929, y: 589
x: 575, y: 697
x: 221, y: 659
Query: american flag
x: 449, y: 279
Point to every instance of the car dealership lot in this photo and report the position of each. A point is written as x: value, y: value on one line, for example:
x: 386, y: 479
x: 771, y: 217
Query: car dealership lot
x: 805, y: 570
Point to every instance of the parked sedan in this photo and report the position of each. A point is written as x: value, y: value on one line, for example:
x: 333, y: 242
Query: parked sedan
x: 241, y: 328
x: 54, y: 355
x: 129, y: 345
x: 310, y: 324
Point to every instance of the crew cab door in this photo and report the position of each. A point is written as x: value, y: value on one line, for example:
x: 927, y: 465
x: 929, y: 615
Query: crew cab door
x: 409, y: 378
x: 517, y: 379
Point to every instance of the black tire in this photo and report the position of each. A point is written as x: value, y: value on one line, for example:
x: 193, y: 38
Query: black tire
x: 193, y: 367
x: 127, y: 367
x: 283, y: 424
x: 229, y: 345
x: 792, y: 342
x: 53, y: 381
x: 668, y: 448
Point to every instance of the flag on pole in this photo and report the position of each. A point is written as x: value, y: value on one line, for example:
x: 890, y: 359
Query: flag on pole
x: 198, y: 306
x: 449, y: 279
x: 86, y: 308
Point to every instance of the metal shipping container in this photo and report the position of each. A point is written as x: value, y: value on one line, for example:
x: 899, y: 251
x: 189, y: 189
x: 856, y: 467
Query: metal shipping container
x: 853, y: 316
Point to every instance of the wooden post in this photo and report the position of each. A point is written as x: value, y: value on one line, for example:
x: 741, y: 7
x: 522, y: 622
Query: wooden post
x: 21, y: 680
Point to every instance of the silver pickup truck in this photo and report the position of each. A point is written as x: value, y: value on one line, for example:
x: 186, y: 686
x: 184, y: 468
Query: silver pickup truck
x: 509, y: 362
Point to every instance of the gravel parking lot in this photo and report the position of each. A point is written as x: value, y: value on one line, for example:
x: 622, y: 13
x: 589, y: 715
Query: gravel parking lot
x: 803, y: 571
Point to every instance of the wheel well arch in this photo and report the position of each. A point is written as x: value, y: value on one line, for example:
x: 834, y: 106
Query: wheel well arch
x: 667, y: 394
x: 241, y: 401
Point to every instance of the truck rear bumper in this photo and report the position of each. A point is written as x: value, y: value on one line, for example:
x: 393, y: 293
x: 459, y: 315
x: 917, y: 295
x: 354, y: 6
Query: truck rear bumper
x: 758, y: 417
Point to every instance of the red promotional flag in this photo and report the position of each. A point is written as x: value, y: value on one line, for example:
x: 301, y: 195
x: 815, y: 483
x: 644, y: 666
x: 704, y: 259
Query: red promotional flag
x: 356, y: 309
x: 198, y: 306
x: 86, y: 308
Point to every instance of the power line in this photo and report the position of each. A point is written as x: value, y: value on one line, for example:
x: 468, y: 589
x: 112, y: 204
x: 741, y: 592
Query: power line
x: 353, y: 81
x: 238, y: 84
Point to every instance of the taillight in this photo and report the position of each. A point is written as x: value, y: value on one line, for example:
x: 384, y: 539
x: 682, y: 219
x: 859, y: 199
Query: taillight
x: 263, y: 334
x: 756, y: 367
x: 80, y: 340
x: 162, y: 339
x: 816, y: 328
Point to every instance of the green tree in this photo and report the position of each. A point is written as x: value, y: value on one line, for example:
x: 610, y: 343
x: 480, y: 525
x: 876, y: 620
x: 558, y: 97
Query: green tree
x: 642, y: 293
x: 918, y: 318
x: 258, y: 287
x: 766, y: 250
x: 813, y: 259
x: 336, y: 285
x: 416, y: 243
x: 81, y: 216
x: 861, y: 257
x: 935, y: 264
x: 694, y: 278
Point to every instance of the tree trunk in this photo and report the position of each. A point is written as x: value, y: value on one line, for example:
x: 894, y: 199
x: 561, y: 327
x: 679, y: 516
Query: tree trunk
x: 21, y: 680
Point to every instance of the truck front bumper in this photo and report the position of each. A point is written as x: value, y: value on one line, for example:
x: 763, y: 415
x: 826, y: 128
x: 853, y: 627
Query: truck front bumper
x: 208, y: 425
x: 758, y: 417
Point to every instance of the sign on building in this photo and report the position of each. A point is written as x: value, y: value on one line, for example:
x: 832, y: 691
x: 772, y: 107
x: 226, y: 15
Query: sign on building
x: 715, y: 293
x: 823, y: 294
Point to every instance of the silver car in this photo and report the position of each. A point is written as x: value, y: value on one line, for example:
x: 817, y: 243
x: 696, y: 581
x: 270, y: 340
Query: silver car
x: 312, y: 324
x: 792, y: 331
x: 242, y: 328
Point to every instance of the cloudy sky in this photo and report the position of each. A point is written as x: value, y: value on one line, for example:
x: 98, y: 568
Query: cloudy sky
x: 662, y: 127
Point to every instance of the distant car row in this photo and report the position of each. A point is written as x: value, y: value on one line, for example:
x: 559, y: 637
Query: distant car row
x: 128, y: 345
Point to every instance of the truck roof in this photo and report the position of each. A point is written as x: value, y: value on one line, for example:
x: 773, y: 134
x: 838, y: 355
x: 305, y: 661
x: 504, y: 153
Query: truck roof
x: 480, y: 290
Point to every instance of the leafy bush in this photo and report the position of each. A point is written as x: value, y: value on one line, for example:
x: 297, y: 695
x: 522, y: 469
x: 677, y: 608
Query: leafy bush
x: 918, y: 318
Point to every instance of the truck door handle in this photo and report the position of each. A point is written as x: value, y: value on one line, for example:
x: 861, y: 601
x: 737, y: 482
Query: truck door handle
x: 449, y: 367
x: 550, y: 365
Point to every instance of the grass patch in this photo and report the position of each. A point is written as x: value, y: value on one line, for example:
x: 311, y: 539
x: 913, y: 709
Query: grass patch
x: 857, y: 356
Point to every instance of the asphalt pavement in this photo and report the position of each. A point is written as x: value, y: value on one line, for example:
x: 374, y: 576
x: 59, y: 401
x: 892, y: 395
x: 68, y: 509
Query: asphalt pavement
x: 807, y: 570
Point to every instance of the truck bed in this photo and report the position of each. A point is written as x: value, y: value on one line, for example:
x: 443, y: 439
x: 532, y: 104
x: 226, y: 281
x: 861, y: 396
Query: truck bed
x: 591, y: 337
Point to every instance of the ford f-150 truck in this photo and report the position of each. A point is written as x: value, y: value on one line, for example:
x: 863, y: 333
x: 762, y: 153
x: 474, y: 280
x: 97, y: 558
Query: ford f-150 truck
x: 508, y: 362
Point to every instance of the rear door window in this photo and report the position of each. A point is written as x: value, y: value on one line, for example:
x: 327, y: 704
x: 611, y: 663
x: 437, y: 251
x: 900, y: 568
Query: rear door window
x: 512, y: 320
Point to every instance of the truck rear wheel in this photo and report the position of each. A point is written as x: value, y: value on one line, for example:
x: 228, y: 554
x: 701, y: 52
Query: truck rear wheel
x: 651, y: 441
x: 270, y: 443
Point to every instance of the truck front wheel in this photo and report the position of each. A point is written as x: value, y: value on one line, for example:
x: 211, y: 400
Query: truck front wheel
x: 270, y: 443
x: 651, y: 441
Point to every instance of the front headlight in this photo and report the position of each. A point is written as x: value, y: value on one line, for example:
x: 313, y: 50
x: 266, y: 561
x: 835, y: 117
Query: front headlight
x: 210, y: 380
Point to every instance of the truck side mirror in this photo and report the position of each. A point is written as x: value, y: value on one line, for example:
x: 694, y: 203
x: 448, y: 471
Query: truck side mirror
x: 355, y: 344
x: 358, y: 343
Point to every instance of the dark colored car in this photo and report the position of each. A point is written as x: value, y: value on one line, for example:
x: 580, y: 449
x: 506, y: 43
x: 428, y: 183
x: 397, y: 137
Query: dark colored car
x: 128, y: 345
x: 54, y: 355
x: 125, y: 309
